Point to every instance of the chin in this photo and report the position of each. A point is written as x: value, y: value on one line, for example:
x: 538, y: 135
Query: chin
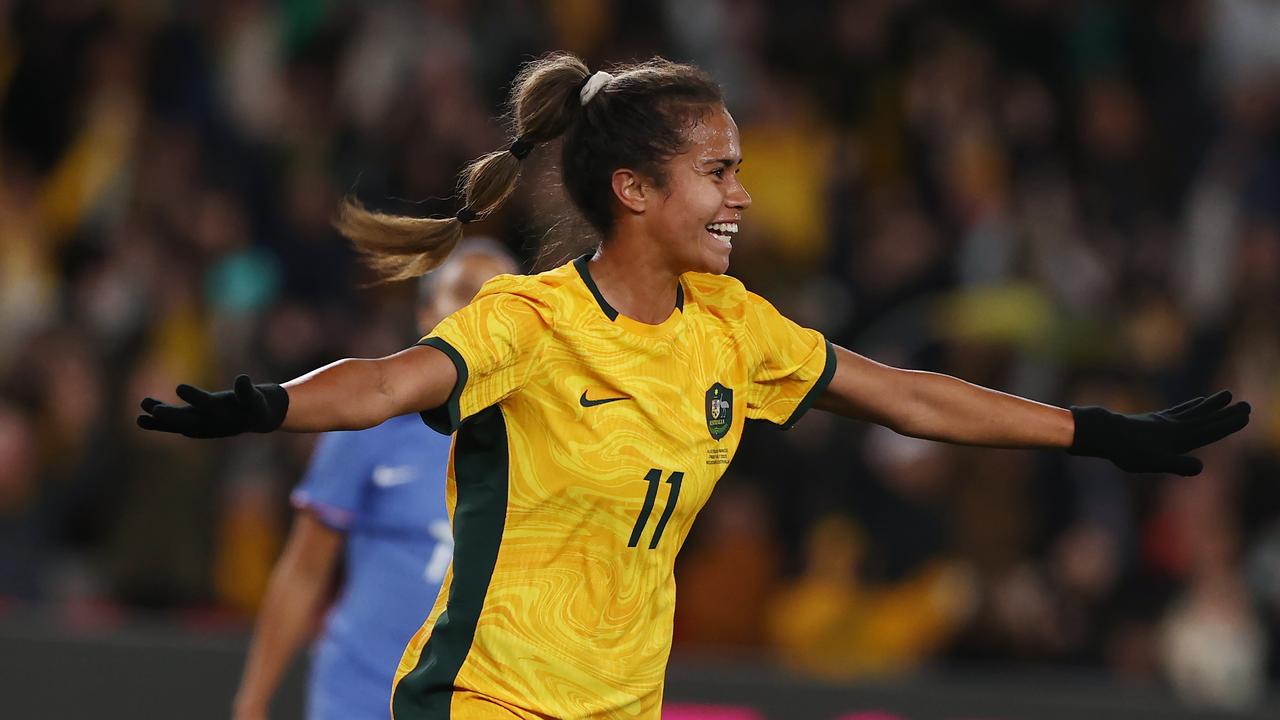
x: 711, y: 264
x: 712, y: 259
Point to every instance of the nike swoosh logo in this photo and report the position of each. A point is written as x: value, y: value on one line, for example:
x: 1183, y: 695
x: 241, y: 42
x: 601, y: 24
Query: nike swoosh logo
x: 592, y: 403
x: 385, y: 476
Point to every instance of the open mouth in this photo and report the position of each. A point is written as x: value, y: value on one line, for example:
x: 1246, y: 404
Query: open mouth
x: 724, y: 232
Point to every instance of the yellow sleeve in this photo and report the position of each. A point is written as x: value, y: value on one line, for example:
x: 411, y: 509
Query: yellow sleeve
x: 494, y: 343
x: 792, y: 365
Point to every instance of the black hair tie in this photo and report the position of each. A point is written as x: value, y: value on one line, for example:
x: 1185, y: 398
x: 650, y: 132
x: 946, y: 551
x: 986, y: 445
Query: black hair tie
x: 466, y: 215
x: 521, y: 148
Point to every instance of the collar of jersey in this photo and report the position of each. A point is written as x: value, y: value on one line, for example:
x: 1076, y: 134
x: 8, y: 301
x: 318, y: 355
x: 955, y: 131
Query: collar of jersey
x: 621, y: 320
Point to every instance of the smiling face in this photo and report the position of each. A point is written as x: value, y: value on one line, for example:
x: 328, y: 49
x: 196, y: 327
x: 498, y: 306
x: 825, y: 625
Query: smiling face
x: 695, y: 217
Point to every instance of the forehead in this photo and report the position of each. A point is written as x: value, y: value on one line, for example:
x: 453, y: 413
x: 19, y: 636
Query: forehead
x: 715, y: 137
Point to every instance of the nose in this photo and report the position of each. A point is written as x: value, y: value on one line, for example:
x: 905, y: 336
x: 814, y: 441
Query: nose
x: 738, y: 197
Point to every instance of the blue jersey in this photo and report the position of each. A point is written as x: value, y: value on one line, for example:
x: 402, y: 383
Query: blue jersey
x: 385, y: 489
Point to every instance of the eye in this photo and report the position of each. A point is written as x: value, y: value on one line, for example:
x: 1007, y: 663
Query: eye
x: 718, y: 172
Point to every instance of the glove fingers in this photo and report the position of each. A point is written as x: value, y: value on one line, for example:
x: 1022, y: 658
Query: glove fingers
x: 246, y: 393
x: 1213, y: 404
x: 1184, y: 465
x: 169, y: 424
x: 1235, y: 412
x: 183, y: 420
x: 195, y: 397
x: 157, y: 420
x: 1220, y: 425
x: 206, y: 414
x: 1175, y: 464
x: 1178, y: 410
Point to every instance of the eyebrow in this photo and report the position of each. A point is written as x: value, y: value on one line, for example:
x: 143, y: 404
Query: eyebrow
x: 723, y: 162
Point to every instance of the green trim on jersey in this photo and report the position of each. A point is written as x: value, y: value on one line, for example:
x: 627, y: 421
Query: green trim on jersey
x: 819, y: 387
x: 481, y: 465
x: 581, y: 266
x: 446, y: 418
x: 585, y: 273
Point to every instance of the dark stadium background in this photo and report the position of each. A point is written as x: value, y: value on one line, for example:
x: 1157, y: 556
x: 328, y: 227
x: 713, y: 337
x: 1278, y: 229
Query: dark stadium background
x: 1076, y: 201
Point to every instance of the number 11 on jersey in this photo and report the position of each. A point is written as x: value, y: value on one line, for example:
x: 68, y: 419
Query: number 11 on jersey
x: 654, y: 478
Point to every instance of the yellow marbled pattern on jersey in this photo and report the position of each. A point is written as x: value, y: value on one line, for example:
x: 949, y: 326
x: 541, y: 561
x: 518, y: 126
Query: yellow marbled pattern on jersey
x: 574, y: 623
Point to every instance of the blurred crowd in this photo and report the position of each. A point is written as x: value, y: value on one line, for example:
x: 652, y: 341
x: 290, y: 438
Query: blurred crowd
x: 1075, y: 201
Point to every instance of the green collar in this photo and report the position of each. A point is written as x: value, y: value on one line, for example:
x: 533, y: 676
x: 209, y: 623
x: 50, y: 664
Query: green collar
x: 581, y: 266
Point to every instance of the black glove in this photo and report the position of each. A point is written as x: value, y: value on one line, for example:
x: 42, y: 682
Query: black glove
x: 1157, y: 441
x: 247, y: 408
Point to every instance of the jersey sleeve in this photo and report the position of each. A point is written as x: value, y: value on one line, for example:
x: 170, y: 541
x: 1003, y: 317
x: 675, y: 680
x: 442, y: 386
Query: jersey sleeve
x: 334, y: 482
x: 495, y: 344
x: 792, y: 365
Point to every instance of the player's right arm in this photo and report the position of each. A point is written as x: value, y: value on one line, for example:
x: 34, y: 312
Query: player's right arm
x: 471, y: 360
x: 356, y: 394
x: 351, y: 394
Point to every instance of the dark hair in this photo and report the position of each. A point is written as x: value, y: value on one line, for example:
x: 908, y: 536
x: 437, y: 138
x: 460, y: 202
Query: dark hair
x: 638, y: 120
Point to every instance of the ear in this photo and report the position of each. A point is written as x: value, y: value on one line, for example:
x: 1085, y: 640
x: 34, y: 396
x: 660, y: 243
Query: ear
x: 630, y: 190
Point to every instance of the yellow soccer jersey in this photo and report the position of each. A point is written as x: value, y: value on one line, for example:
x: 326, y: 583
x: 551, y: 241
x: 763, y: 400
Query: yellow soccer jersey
x: 586, y: 444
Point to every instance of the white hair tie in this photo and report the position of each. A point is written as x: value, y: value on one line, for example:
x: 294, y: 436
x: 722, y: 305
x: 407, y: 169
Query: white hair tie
x: 593, y: 85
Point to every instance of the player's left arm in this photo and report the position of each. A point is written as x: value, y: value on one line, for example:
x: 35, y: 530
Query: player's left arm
x: 940, y: 407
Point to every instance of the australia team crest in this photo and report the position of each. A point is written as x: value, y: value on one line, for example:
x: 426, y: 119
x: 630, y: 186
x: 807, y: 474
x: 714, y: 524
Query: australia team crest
x: 719, y: 410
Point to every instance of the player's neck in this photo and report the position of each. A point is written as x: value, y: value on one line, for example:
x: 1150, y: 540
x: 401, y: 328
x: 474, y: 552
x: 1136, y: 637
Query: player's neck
x: 635, y: 280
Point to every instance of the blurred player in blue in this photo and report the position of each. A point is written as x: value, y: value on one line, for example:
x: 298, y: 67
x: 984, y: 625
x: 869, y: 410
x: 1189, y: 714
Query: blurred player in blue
x: 377, y: 497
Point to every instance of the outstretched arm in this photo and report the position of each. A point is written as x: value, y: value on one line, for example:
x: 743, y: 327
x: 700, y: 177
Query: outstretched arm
x: 939, y: 407
x: 346, y: 395
x: 357, y: 394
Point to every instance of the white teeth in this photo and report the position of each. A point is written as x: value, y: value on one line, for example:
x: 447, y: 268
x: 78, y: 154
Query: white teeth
x: 724, y: 227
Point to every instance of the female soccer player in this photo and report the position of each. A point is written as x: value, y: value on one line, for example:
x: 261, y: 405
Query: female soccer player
x: 595, y: 405
x: 376, y: 497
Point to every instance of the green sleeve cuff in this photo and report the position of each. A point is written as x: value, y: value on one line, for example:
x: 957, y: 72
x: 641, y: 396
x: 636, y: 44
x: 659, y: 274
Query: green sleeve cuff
x: 446, y: 418
x: 819, y: 387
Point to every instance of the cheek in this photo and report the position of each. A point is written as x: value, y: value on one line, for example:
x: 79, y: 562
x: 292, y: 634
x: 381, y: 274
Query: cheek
x: 704, y: 204
x: 691, y: 204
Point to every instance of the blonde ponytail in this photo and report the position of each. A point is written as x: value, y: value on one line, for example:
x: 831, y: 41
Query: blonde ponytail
x: 544, y: 100
x: 398, y: 247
